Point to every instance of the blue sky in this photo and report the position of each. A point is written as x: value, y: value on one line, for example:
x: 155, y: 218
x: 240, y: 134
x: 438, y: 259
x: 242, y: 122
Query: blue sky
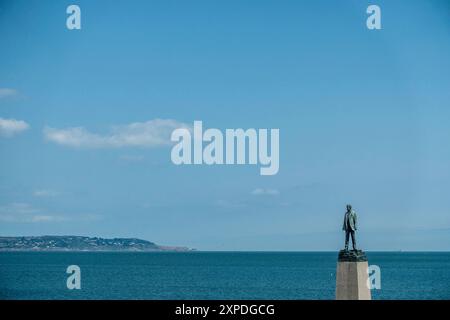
x: 363, y: 118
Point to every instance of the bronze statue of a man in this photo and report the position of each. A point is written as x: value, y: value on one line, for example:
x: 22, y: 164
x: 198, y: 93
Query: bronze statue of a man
x: 350, y: 226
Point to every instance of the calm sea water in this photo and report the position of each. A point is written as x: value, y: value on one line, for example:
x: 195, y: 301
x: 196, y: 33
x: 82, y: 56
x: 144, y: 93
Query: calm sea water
x: 214, y: 275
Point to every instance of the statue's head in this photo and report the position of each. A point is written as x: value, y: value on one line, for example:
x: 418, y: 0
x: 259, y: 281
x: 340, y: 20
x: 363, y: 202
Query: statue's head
x: 349, y: 207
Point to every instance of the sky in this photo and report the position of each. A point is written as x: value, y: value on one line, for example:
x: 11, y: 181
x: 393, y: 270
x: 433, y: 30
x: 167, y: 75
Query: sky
x: 86, y: 117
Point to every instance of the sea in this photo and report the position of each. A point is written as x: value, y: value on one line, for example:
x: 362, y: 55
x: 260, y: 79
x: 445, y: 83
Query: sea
x: 214, y: 275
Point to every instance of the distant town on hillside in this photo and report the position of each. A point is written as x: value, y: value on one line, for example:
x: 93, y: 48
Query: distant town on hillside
x: 80, y: 243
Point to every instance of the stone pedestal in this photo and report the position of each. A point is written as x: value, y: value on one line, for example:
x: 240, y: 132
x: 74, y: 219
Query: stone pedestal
x: 351, y: 276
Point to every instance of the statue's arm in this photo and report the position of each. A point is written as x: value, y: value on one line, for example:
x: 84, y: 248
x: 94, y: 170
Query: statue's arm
x: 356, y: 221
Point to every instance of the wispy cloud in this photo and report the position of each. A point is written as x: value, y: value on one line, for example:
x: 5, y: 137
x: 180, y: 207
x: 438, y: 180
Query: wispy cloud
x: 230, y: 203
x: 131, y: 158
x: 26, y: 213
x: 46, y: 193
x: 7, y: 92
x: 45, y: 218
x: 23, y: 212
x: 11, y: 127
x: 152, y: 133
x: 265, y: 192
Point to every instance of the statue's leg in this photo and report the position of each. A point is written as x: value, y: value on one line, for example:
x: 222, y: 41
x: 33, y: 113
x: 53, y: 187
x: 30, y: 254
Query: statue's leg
x: 346, y: 239
x: 353, y: 240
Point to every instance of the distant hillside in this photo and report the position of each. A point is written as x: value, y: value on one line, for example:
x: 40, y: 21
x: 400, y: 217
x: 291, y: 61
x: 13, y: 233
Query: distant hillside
x: 78, y: 243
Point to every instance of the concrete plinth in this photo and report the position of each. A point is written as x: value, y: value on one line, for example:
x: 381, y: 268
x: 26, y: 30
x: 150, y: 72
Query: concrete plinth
x: 351, y: 276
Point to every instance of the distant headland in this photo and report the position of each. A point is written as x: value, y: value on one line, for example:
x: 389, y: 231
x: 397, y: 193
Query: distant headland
x: 80, y: 243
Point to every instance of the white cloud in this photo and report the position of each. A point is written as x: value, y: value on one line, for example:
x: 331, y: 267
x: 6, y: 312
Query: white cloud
x: 230, y: 204
x: 11, y: 127
x: 152, y: 133
x: 45, y: 193
x: 45, y: 218
x: 131, y: 158
x: 265, y: 192
x: 18, y: 208
x: 25, y: 213
x: 7, y: 92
